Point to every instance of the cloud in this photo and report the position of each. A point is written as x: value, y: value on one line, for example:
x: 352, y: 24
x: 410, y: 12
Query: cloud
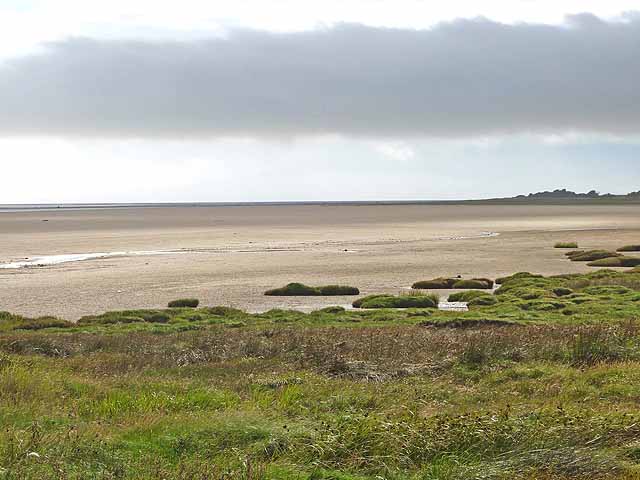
x: 458, y: 79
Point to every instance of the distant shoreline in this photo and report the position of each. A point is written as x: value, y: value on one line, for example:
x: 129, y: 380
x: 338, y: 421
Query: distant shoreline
x: 612, y: 200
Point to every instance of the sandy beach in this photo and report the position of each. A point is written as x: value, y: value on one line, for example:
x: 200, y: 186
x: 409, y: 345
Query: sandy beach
x: 230, y: 255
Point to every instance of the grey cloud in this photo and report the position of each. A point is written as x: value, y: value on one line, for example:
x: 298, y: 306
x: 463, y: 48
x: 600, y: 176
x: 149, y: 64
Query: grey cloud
x: 463, y: 78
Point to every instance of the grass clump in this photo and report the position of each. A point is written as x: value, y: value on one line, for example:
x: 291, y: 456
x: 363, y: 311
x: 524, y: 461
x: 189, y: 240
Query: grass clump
x: 615, y: 262
x: 440, y: 283
x: 302, y: 290
x: 293, y: 290
x: 400, y: 301
x: 474, y: 298
x: 562, y: 291
x: 590, y: 255
x: 334, y: 290
x: 184, y: 303
x: 629, y: 248
x: 474, y: 283
x: 452, y: 283
x: 517, y: 276
x: 467, y: 296
x: 42, y: 323
x: 566, y: 245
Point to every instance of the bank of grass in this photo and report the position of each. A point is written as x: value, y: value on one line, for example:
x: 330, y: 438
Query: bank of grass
x: 184, y: 303
x: 615, y: 262
x: 590, y: 255
x: 300, y: 289
x: 442, y: 283
x: 566, y: 245
x: 408, y: 300
x: 629, y: 248
x: 539, y: 385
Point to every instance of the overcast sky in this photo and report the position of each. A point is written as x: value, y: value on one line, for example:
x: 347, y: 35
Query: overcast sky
x: 307, y: 100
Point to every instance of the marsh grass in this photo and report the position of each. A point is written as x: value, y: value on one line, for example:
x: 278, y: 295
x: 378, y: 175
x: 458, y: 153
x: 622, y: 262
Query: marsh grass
x: 629, y: 248
x: 566, y: 245
x: 506, y: 390
x: 590, y: 255
x: 184, y: 303
x: 615, y: 262
x: 404, y: 300
x: 453, y: 283
x: 299, y: 289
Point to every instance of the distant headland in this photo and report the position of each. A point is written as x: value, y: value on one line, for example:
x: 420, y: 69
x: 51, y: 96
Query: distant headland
x: 564, y: 196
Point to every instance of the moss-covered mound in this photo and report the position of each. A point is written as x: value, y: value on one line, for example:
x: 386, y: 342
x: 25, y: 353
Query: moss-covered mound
x: 453, y: 283
x: 566, y: 245
x: 517, y: 276
x: 435, y: 284
x: 184, y: 303
x: 301, y: 290
x: 466, y: 296
x: 475, y: 283
x: 615, y: 262
x: 629, y: 248
x: 41, y: 323
x: 401, y: 301
x: 332, y: 290
x: 474, y: 298
x: 562, y: 291
x: 592, y: 255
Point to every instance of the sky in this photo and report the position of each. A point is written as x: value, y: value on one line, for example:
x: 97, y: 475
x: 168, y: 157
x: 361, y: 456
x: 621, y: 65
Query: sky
x: 254, y: 100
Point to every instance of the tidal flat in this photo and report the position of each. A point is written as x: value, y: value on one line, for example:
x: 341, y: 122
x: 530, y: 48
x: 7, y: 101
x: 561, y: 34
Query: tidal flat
x: 230, y: 255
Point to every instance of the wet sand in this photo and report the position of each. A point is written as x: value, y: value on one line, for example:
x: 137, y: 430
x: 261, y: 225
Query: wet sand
x: 229, y: 255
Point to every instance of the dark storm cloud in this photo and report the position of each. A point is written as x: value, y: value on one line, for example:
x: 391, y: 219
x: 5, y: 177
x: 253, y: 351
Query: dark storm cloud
x: 468, y: 77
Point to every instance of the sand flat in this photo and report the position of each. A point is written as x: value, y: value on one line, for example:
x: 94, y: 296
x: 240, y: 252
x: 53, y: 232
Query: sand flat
x: 229, y: 255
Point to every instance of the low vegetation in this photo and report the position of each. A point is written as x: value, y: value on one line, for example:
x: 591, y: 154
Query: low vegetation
x: 435, y: 284
x: 184, y: 303
x: 566, y: 245
x: 299, y: 289
x: 590, y: 255
x: 539, y: 382
x: 399, y: 301
x: 453, y: 283
x: 629, y: 248
x: 480, y: 283
x: 615, y: 262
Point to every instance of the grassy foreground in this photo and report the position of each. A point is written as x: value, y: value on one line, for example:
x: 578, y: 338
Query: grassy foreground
x: 541, y: 382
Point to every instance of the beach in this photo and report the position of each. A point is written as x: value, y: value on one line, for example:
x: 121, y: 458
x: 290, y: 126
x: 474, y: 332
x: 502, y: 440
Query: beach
x: 143, y: 257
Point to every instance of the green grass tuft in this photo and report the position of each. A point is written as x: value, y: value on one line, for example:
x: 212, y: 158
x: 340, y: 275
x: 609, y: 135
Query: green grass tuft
x: 566, y: 245
x: 615, y: 262
x: 184, y: 303
x: 435, y: 284
x: 590, y: 255
x: 333, y: 290
x: 473, y: 283
x: 302, y: 290
x: 629, y: 248
x: 401, y: 301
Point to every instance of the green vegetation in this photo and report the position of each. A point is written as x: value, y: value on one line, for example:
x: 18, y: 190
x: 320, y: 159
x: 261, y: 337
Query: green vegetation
x: 517, y: 276
x: 184, y: 303
x: 299, y: 289
x: 538, y: 382
x: 453, y: 283
x: 332, y: 290
x: 400, y: 301
x: 566, y: 245
x: 473, y: 283
x: 435, y: 284
x: 615, y: 262
x: 590, y: 255
x: 629, y: 248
